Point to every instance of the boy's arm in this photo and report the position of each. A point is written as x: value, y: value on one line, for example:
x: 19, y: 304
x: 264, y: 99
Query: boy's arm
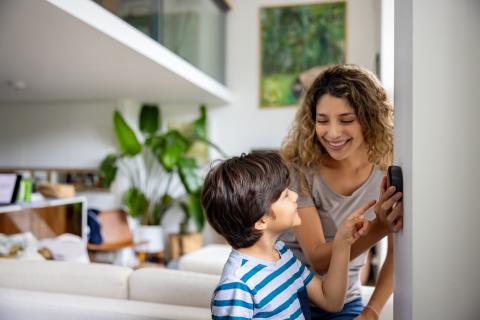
x: 232, y: 299
x: 317, y: 251
x: 329, y: 294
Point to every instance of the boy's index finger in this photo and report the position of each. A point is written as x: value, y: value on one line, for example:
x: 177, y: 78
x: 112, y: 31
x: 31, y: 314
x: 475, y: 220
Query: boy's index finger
x: 358, y: 219
x: 355, y: 218
x: 360, y: 211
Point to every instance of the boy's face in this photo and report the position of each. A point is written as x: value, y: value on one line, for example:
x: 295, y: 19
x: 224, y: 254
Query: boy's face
x: 285, y: 214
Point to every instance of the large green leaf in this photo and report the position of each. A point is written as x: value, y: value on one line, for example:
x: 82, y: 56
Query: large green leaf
x: 169, y: 148
x: 158, y: 144
x: 193, y: 209
x: 161, y: 207
x: 156, y: 141
x: 108, y: 170
x: 200, y: 124
x: 199, y: 130
x: 136, y: 203
x: 149, y: 119
x: 127, y: 139
x: 188, y: 171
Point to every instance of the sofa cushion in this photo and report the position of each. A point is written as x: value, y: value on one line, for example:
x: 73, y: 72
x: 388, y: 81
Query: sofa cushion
x: 66, y: 277
x: 209, y: 259
x: 172, y: 287
x: 21, y: 304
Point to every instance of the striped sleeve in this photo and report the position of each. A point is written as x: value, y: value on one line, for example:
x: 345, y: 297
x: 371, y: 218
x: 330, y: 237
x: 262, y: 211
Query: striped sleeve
x: 232, y: 300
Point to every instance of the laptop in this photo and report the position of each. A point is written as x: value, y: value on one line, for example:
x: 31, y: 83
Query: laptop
x: 9, y: 185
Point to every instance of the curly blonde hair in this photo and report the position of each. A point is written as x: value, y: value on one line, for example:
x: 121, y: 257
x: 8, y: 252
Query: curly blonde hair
x: 365, y: 94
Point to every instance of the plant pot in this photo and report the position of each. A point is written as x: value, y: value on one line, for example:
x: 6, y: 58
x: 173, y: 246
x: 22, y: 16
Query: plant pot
x: 181, y: 244
x: 151, y: 238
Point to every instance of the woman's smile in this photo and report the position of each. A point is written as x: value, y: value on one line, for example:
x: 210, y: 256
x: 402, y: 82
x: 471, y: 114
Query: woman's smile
x: 336, y: 145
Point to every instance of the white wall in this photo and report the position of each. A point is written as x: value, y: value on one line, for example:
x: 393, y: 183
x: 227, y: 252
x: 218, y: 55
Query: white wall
x: 387, y: 45
x: 437, y: 104
x: 62, y: 135
x: 242, y: 126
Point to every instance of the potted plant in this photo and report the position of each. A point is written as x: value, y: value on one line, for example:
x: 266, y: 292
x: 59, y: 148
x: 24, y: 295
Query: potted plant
x: 151, y: 164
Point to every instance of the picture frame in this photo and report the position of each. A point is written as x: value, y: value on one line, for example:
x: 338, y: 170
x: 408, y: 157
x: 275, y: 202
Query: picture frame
x: 296, y: 43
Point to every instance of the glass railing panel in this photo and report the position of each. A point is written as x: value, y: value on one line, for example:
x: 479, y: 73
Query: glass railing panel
x: 192, y: 29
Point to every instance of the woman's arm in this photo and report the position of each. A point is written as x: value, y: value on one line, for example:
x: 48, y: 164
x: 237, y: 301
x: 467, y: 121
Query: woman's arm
x: 312, y: 240
x: 317, y: 251
x: 384, y: 286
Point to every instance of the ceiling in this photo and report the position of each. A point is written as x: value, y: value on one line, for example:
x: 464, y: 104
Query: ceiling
x: 65, y: 50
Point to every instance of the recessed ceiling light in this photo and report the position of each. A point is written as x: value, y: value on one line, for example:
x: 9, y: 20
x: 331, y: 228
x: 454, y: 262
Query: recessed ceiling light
x: 17, y: 85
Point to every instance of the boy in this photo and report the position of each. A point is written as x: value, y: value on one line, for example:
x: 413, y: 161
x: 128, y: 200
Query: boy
x: 247, y: 201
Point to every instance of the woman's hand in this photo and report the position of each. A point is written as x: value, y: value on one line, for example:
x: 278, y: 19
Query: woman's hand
x: 389, y: 208
x: 354, y: 226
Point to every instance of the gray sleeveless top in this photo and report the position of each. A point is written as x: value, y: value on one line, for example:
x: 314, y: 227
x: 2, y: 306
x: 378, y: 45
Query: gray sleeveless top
x: 333, y: 209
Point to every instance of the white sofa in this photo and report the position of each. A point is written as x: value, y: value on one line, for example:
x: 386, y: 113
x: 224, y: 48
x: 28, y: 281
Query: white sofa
x: 62, y: 290
x: 210, y: 260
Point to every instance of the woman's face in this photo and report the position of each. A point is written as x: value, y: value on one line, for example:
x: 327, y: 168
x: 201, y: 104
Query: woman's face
x: 338, y: 128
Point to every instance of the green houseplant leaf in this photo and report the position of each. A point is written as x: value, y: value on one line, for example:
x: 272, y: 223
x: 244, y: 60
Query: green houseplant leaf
x: 199, y: 131
x: 169, y: 148
x: 149, y: 119
x: 161, y: 207
x: 127, y: 139
x: 188, y: 171
x: 137, y: 204
x: 200, y: 125
x: 108, y: 170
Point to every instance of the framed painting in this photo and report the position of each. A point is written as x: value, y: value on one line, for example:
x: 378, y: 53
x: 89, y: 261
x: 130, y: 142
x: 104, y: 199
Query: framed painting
x: 295, y: 43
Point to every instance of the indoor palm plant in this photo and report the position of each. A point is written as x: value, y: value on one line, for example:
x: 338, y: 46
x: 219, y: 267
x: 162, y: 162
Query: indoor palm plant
x: 153, y: 163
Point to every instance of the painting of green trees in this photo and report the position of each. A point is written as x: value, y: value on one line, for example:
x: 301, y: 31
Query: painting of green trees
x: 295, y: 39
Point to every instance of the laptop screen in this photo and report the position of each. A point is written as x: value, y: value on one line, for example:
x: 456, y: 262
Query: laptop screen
x: 8, y: 187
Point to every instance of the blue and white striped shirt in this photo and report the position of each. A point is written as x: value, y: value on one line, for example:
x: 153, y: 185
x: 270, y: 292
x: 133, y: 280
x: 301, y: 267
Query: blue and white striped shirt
x: 252, y: 288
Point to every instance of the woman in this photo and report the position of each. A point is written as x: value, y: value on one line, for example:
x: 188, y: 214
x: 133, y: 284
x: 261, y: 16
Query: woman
x: 339, y: 148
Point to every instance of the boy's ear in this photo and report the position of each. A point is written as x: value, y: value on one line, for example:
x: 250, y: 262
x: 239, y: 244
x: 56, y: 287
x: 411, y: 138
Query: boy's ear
x: 261, y: 223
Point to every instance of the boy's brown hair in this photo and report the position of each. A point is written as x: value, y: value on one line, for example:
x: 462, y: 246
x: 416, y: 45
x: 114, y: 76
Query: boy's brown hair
x: 239, y: 191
